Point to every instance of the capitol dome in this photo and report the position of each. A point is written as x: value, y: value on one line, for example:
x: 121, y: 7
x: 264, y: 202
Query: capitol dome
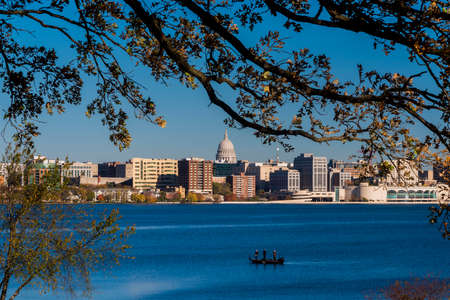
x: 225, y: 151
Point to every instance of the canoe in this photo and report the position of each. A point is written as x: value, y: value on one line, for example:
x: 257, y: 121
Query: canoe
x: 266, y: 261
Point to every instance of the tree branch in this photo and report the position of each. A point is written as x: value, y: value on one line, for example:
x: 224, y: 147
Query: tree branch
x: 25, y: 283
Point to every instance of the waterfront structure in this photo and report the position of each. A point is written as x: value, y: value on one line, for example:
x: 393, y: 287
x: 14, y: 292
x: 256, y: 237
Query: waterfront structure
x: 153, y: 173
x: 384, y: 193
x: 80, y: 169
x: 225, y: 151
x: 302, y: 195
x: 243, y: 186
x: 285, y: 180
x: 313, y: 172
x: 262, y: 171
x: 195, y: 174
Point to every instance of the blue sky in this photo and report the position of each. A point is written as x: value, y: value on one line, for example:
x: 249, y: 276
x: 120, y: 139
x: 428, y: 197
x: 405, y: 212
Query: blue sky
x: 194, y: 128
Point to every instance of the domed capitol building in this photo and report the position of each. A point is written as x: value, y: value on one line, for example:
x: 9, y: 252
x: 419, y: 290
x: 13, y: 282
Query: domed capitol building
x: 225, y: 151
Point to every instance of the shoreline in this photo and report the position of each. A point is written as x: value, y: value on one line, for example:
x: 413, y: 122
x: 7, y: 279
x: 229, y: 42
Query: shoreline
x: 289, y: 202
x: 286, y: 202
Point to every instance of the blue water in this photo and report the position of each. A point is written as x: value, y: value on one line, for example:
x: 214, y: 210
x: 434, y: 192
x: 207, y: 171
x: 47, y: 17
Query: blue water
x: 331, y: 251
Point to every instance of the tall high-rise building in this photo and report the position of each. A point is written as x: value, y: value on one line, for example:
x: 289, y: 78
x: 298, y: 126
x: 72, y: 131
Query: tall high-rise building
x: 225, y: 151
x: 243, y: 186
x: 195, y: 174
x: 262, y: 171
x: 151, y: 173
x: 285, y: 180
x: 351, y: 167
x: 313, y: 172
x: 338, y: 178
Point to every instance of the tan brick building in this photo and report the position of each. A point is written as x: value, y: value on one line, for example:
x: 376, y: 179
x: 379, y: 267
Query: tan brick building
x: 151, y: 173
x: 262, y: 171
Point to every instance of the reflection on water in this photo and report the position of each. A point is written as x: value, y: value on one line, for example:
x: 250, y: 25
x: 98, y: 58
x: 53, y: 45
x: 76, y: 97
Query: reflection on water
x: 210, y: 226
x: 140, y: 289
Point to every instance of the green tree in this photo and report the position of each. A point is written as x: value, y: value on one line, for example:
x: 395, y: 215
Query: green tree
x: 230, y: 197
x: 254, y: 198
x: 176, y: 197
x: 200, y: 44
x: 162, y: 196
x: 200, y: 197
x: 192, y: 197
x: 138, y: 198
x: 150, y: 198
x: 90, y: 195
x: 221, y: 188
x: 108, y: 198
x: 35, y: 250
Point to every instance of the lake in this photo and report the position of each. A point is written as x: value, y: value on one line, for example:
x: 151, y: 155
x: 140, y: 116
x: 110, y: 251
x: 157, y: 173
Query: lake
x: 331, y: 251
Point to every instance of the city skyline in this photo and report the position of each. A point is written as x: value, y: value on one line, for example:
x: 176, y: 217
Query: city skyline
x: 270, y: 151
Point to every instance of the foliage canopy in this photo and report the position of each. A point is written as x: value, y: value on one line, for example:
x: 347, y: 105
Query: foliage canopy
x: 199, y: 43
x: 51, y: 246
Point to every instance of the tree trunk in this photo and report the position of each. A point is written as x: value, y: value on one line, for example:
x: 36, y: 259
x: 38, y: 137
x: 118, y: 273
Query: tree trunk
x: 5, y: 283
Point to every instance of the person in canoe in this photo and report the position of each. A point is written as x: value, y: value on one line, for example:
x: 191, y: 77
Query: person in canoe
x: 274, y: 254
x: 256, y: 254
x: 264, y: 254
